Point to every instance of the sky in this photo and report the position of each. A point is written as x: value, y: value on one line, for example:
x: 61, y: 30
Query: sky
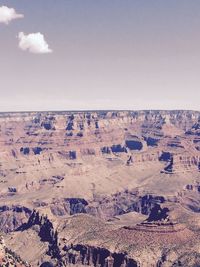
x: 99, y: 54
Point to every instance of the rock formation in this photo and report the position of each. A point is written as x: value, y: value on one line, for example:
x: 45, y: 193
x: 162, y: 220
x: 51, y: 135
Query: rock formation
x: 9, y: 258
x: 101, y: 188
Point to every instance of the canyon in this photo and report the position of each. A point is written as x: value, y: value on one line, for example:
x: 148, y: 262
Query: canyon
x: 100, y: 188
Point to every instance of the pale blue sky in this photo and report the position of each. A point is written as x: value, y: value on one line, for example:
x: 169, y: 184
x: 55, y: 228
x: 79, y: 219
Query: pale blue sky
x: 107, y: 54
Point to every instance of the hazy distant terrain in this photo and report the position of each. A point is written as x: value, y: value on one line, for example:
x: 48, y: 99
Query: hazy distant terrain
x: 101, y: 188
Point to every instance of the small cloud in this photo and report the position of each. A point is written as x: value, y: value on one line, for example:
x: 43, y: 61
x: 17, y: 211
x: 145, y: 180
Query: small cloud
x: 8, y: 14
x: 34, y: 43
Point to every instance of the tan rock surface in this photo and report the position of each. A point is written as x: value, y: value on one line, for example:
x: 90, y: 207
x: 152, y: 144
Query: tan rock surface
x: 113, y: 166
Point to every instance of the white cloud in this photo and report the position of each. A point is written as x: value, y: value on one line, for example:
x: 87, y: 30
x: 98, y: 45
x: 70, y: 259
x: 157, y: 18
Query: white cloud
x: 34, y: 43
x: 8, y: 14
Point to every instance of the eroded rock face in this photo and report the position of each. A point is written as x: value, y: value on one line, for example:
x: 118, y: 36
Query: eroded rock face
x: 165, y: 156
x: 109, y: 207
x: 118, y: 149
x: 158, y: 214
x: 75, y: 135
x: 10, y: 258
x: 45, y: 231
x: 108, y: 164
x: 13, y: 217
x: 169, y: 167
x: 92, y: 256
x: 74, y: 254
x: 134, y: 145
x: 76, y: 205
x: 151, y: 141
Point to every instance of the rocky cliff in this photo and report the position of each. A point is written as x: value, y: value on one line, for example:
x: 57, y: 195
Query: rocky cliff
x: 84, y: 186
x: 10, y: 258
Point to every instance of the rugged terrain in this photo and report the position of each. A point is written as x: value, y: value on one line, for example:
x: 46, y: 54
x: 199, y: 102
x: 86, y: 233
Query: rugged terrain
x: 101, y: 188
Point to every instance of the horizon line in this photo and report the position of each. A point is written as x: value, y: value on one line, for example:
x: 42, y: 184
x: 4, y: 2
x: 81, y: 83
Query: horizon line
x: 94, y: 110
